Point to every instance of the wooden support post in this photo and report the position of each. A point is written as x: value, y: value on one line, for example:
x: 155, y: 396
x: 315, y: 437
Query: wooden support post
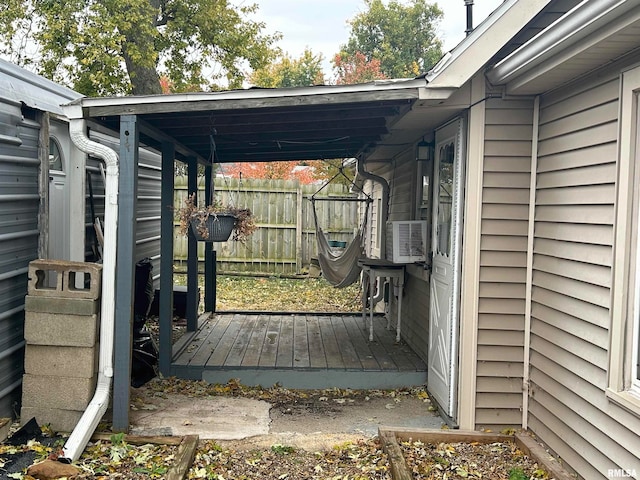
x: 125, y: 270
x: 43, y: 187
x: 166, y: 258
x: 209, y: 253
x: 192, y: 256
x: 299, y: 200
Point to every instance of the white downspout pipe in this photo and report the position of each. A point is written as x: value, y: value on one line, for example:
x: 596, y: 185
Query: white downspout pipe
x: 78, y: 439
x: 529, y: 281
x: 379, y: 294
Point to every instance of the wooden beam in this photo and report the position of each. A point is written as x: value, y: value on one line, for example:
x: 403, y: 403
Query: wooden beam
x: 184, y: 458
x: 125, y: 270
x: 209, y: 253
x: 405, y: 95
x: 226, y: 119
x: 166, y: 257
x: 192, y: 255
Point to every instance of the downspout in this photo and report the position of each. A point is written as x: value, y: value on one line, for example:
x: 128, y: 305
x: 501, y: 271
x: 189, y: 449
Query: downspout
x: 529, y: 281
x: 78, y: 439
x: 383, y: 218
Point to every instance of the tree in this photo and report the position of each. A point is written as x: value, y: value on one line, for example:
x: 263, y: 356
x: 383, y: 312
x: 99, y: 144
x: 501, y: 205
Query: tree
x: 403, y: 38
x: 281, y: 170
x: 356, y: 68
x: 108, y: 47
x: 288, y: 72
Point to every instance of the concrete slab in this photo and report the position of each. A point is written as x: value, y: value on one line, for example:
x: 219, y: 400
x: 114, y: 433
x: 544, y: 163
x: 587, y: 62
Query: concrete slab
x: 219, y: 418
x: 256, y: 422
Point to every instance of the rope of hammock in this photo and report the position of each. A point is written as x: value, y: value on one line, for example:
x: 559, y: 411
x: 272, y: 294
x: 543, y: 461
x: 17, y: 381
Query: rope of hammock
x: 340, y: 270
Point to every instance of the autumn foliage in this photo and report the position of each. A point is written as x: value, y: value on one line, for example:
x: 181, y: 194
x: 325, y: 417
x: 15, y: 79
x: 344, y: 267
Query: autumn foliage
x: 356, y: 68
x: 305, y: 172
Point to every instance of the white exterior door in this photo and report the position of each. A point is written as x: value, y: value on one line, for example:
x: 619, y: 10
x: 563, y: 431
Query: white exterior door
x: 59, y: 154
x: 445, y: 271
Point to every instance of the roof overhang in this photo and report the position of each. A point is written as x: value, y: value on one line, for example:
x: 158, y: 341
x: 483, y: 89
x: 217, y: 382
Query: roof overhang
x: 33, y: 90
x: 256, y: 125
x: 589, y: 36
x: 477, y: 48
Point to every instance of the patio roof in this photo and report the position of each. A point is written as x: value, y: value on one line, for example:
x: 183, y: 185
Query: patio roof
x: 257, y: 125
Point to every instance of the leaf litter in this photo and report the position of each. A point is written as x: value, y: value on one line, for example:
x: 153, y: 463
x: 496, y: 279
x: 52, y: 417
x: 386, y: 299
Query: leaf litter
x: 360, y: 460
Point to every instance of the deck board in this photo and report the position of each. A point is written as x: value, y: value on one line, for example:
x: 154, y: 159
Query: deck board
x: 360, y: 343
x: 269, y: 352
x: 209, y: 336
x: 316, y: 348
x: 284, y: 357
x: 241, y: 343
x: 254, y: 349
x: 330, y: 343
x: 298, y: 351
x: 227, y: 339
x: 301, y: 355
x: 349, y: 355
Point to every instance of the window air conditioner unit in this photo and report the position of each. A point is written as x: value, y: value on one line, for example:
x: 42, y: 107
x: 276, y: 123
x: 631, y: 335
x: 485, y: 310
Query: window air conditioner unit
x: 406, y: 241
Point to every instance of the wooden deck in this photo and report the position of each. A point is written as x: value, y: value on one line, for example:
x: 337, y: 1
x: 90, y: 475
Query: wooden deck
x: 296, y: 351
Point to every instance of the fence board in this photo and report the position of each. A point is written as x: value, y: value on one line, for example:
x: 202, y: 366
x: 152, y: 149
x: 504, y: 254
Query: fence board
x: 285, y: 241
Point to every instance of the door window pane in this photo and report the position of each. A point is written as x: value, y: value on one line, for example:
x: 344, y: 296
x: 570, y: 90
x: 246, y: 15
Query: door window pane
x: 445, y: 197
x: 55, y: 155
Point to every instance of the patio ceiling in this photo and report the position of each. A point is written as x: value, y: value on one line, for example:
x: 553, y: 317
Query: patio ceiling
x: 258, y: 125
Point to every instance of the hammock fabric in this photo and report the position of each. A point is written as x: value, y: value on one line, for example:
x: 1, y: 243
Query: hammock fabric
x: 340, y: 270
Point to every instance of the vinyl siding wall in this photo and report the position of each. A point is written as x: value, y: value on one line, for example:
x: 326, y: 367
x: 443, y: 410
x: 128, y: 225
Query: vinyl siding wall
x: 571, y: 289
x: 503, y: 262
x: 401, y: 173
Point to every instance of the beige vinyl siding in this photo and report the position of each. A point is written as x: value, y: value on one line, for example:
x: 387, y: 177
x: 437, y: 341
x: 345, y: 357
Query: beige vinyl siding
x: 415, y: 304
x: 415, y: 315
x: 401, y: 173
x: 402, y: 179
x: 503, y: 263
x: 571, y: 283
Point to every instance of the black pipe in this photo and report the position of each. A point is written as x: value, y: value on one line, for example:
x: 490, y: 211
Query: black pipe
x: 469, y: 5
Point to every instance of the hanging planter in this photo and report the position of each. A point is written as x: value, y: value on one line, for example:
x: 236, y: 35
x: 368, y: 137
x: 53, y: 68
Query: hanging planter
x: 216, y: 227
x: 215, y: 222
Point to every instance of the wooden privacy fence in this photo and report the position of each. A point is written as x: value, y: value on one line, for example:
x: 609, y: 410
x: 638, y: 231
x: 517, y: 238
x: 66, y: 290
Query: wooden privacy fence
x: 285, y: 241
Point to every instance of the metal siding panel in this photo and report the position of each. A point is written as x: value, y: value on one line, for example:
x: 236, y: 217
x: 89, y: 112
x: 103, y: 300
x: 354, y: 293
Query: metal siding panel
x: 19, y: 204
x: 148, y: 200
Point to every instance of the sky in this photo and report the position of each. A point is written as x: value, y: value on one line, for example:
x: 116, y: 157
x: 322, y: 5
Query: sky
x: 322, y: 25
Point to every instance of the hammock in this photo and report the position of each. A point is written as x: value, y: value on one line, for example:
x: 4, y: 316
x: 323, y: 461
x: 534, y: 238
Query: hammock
x: 340, y: 270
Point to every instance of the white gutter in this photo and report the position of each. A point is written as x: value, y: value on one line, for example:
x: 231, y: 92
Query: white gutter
x: 78, y: 439
x: 585, y: 19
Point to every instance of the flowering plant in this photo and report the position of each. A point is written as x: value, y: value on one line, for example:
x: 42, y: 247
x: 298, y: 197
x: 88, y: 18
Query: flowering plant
x: 199, y: 217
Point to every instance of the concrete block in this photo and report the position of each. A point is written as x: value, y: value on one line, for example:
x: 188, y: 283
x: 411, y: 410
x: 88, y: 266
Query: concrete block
x: 48, y: 391
x: 66, y: 279
x: 56, y: 361
x: 60, y: 420
x: 63, y: 306
x: 43, y: 328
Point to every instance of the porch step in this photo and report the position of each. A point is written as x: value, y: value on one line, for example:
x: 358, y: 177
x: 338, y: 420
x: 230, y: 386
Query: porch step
x: 308, y: 379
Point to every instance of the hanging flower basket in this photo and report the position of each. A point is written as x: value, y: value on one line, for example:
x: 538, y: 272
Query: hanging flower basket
x: 215, y: 222
x: 215, y: 228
